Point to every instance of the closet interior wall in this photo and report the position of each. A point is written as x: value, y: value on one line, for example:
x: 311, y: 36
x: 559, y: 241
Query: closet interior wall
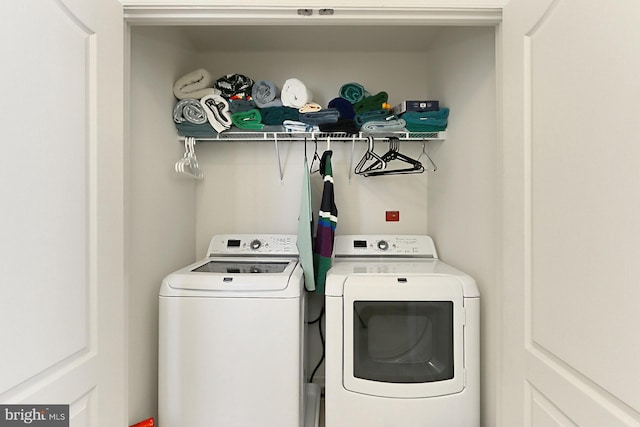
x: 160, y: 206
x: 172, y: 218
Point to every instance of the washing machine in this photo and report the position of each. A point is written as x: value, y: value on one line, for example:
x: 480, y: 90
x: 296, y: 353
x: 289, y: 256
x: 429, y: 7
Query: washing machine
x: 231, y: 338
x: 402, y: 336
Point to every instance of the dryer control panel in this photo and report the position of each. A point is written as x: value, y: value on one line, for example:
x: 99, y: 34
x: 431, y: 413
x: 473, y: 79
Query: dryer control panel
x: 253, y: 244
x: 398, y: 246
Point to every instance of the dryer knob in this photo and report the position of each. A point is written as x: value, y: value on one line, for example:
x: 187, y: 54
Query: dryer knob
x: 255, y: 244
x: 383, y: 245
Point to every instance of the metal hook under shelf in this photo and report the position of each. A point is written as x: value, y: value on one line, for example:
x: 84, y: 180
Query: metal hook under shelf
x: 424, y: 152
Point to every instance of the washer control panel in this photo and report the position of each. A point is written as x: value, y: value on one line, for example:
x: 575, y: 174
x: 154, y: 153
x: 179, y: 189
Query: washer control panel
x: 253, y: 244
x: 385, y: 246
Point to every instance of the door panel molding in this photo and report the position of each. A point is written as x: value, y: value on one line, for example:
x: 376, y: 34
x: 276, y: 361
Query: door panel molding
x: 581, y: 400
x: 543, y: 412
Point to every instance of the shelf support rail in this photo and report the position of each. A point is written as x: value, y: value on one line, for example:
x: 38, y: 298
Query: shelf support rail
x: 275, y: 142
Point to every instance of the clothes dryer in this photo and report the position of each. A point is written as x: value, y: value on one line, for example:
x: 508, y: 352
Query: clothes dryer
x: 402, y: 336
x: 231, y: 338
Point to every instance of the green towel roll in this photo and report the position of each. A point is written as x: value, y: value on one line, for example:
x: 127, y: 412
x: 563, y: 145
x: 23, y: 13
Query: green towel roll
x: 251, y: 120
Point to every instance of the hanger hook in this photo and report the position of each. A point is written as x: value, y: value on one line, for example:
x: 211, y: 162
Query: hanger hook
x: 424, y: 153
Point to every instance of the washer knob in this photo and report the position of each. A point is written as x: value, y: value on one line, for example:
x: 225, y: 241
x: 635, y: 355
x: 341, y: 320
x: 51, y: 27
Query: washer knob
x: 383, y: 245
x: 255, y: 244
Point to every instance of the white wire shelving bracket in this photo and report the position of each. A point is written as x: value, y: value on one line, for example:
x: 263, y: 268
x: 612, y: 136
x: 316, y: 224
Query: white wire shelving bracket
x: 276, y: 137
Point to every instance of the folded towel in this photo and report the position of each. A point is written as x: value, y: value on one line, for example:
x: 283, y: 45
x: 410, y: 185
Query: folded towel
x: 371, y: 115
x: 343, y: 106
x: 310, y: 107
x: 217, y: 110
x: 343, y: 125
x: 427, y: 121
x: 297, y: 126
x: 231, y: 85
x: 373, y: 102
x: 189, y: 110
x: 277, y: 115
x: 237, y: 105
x: 295, y: 94
x: 248, y: 120
x: 441, y: 113
x: 196, y: 84
x: 266, y: 94
x: 352, y: 92
x: 390, y: 124
x: 203, y: 130
x: 329, y: 115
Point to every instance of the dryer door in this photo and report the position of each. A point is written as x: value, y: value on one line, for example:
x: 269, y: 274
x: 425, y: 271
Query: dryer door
x: 403, y: 336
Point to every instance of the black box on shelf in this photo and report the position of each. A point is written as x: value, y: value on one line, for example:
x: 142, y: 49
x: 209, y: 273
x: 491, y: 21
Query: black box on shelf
x: 419, y: 106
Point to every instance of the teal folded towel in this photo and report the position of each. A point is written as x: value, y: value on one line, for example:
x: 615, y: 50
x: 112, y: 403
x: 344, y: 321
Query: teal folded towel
x: 277, y: 115
x: 427, y: 121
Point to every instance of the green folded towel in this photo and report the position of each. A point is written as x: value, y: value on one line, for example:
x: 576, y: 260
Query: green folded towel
x: 251, y: 120
x: 373, y: 102
x: 277, y: 115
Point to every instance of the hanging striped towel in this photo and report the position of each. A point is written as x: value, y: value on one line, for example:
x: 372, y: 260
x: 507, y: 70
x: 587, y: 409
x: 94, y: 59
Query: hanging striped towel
x: 327, y: 220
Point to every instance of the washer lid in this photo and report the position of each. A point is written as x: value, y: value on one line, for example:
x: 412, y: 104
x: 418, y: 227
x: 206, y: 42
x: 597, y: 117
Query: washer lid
x: 234, y: 275
x: 242, y: 267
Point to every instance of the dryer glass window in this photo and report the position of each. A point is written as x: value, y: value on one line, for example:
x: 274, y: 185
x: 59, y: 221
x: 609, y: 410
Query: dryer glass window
x: 403, y: 341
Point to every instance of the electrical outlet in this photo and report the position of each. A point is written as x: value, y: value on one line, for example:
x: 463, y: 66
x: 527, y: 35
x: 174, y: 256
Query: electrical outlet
x: 393, y: 216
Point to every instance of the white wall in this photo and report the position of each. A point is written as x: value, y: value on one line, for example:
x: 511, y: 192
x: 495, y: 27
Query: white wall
x: 161, y: 219
x: 463, y: 199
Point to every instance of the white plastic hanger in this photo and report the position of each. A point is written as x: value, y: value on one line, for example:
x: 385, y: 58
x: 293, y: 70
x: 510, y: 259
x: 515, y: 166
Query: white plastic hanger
x: 188, y: 164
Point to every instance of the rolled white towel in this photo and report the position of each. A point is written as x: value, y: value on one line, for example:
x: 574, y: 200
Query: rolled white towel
x: 197, y: 84
x: 295, y: 94
x: 217, y: 110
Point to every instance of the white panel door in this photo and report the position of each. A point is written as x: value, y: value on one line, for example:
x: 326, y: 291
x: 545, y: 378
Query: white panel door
x: 61, y: 180
x: 571, y: 213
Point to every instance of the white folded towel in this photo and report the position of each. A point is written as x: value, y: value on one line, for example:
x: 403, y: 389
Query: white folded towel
x: 295, y: 94
x: 196, y: 84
